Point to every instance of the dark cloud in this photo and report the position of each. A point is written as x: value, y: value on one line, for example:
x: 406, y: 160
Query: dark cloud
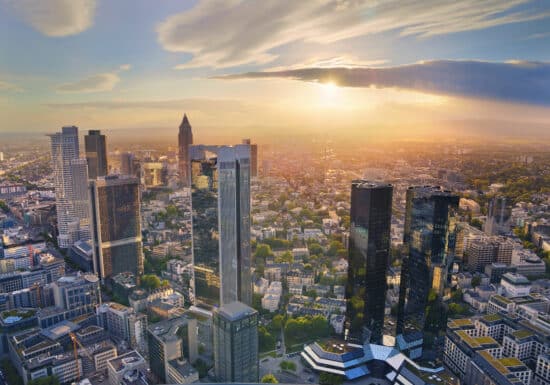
x: 523, y: 82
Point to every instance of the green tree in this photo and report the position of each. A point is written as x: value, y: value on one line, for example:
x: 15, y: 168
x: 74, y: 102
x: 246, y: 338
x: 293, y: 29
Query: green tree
x: 269, y: 379
x: 150, y: 281
x: 315, y: 249
x: 4, y: 206
x: 263, y: 251
x: 278, y: 322
x: 333, y: 248
x: 265, y: 339
x: 285, y: 257
x: 330, y: 379
x: 476, y: 281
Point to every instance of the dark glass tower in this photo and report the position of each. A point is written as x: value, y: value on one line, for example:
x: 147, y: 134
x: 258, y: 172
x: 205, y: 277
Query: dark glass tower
x: 236, y: 343
x: 430, y: 237
x: 369, y: 247
x: 96, y: 154
x: 185, y: 139
x: 220, y: 197
x: 116, y: 226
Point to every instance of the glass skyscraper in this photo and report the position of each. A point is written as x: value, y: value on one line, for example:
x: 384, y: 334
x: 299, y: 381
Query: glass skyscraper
x: 220, y: 197
x: 236, y: 356
x: 70, y: 174
x: 369, y: 248
x: 430, y: 237
x: 117, y: 226
x: 96, y: 154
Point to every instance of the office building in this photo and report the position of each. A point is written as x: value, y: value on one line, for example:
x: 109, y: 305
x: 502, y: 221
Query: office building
x: 71, y: 194
x: 153, y: 174
x: 77, y: 291
x: 169, y: 340
x: 429, y: 235
x: 127, y: 368
x: 185, y: 139
x: 483, y: 251
x: 116, y: 226
x: 369, y: 248
x: 220, y: 196
x: 127, y: 166
x: 499, y: 217
x: 236, y: 343
x: 96, y: 154
x: 253, y: 158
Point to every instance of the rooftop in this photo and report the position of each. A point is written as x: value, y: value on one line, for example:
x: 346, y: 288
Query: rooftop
x: 235, y: 310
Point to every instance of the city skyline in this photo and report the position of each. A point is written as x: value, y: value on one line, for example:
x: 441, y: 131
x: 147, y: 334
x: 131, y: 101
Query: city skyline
x: 351, y: 64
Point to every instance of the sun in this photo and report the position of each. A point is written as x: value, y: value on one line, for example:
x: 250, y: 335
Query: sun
x: 329, y: 94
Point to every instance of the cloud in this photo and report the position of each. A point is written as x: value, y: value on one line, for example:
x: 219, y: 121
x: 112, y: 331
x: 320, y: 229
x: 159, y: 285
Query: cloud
x: 170, y: 104
x: 96, y: 83
x: 237, y: 32
x: 7, y: 86
x: 56, y: 18
x: 539, y: 35
x: 514, y: 81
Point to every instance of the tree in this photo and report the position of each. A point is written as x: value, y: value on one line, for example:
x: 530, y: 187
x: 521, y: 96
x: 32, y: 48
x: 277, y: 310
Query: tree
x: 288, y: 365
x: 150, y: 281
x: 330, y: 379
x: 333, y: 248
x: 265, y: 339
x: 278, y: 322
x: 263, y: 251
x: 4, y: 207
x: 269, y: 379
x: 315, y: 249
x: 285, y: 257
x: 476, y: 281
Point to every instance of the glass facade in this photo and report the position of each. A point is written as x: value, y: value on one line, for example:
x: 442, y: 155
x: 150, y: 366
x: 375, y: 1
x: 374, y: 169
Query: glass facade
x: 221, y: 224
x: 430, y: 237
x: 117, y: 226
x: 236, y: 356
x: 96, y: 154
x: 369, y: 246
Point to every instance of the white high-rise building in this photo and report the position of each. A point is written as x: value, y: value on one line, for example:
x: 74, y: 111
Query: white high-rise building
x: 71, y: 187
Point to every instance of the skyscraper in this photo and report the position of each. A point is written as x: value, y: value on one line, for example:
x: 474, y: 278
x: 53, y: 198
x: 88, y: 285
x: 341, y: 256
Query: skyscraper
x: 498, y: 217
x: 185, y: 139
x: 127, y: 164
x: 96, y: 154
x: 430, y: 235
x: 253, y: 157
x: 71, y: 194
x: 369, y: 248
x: 116, y: 226
x: 236, y: 343
x: 220, y: 197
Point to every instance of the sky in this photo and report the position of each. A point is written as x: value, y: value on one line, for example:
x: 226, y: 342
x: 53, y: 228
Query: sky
x: 270, y: 68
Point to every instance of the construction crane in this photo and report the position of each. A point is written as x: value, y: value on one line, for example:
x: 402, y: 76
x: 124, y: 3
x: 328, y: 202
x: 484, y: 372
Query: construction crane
x: 76, y: 345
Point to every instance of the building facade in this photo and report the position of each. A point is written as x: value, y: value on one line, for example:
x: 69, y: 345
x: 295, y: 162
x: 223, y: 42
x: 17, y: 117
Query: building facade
x: 429, y: 235
x: 70, y: 174
x: 236, y: 356
x: 116, y: 226
x: 369, y: 248
x: 96, y: 154
x: 220, y: 196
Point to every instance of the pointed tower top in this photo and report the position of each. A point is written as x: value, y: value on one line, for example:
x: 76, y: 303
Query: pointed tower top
x: 185, y: 122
